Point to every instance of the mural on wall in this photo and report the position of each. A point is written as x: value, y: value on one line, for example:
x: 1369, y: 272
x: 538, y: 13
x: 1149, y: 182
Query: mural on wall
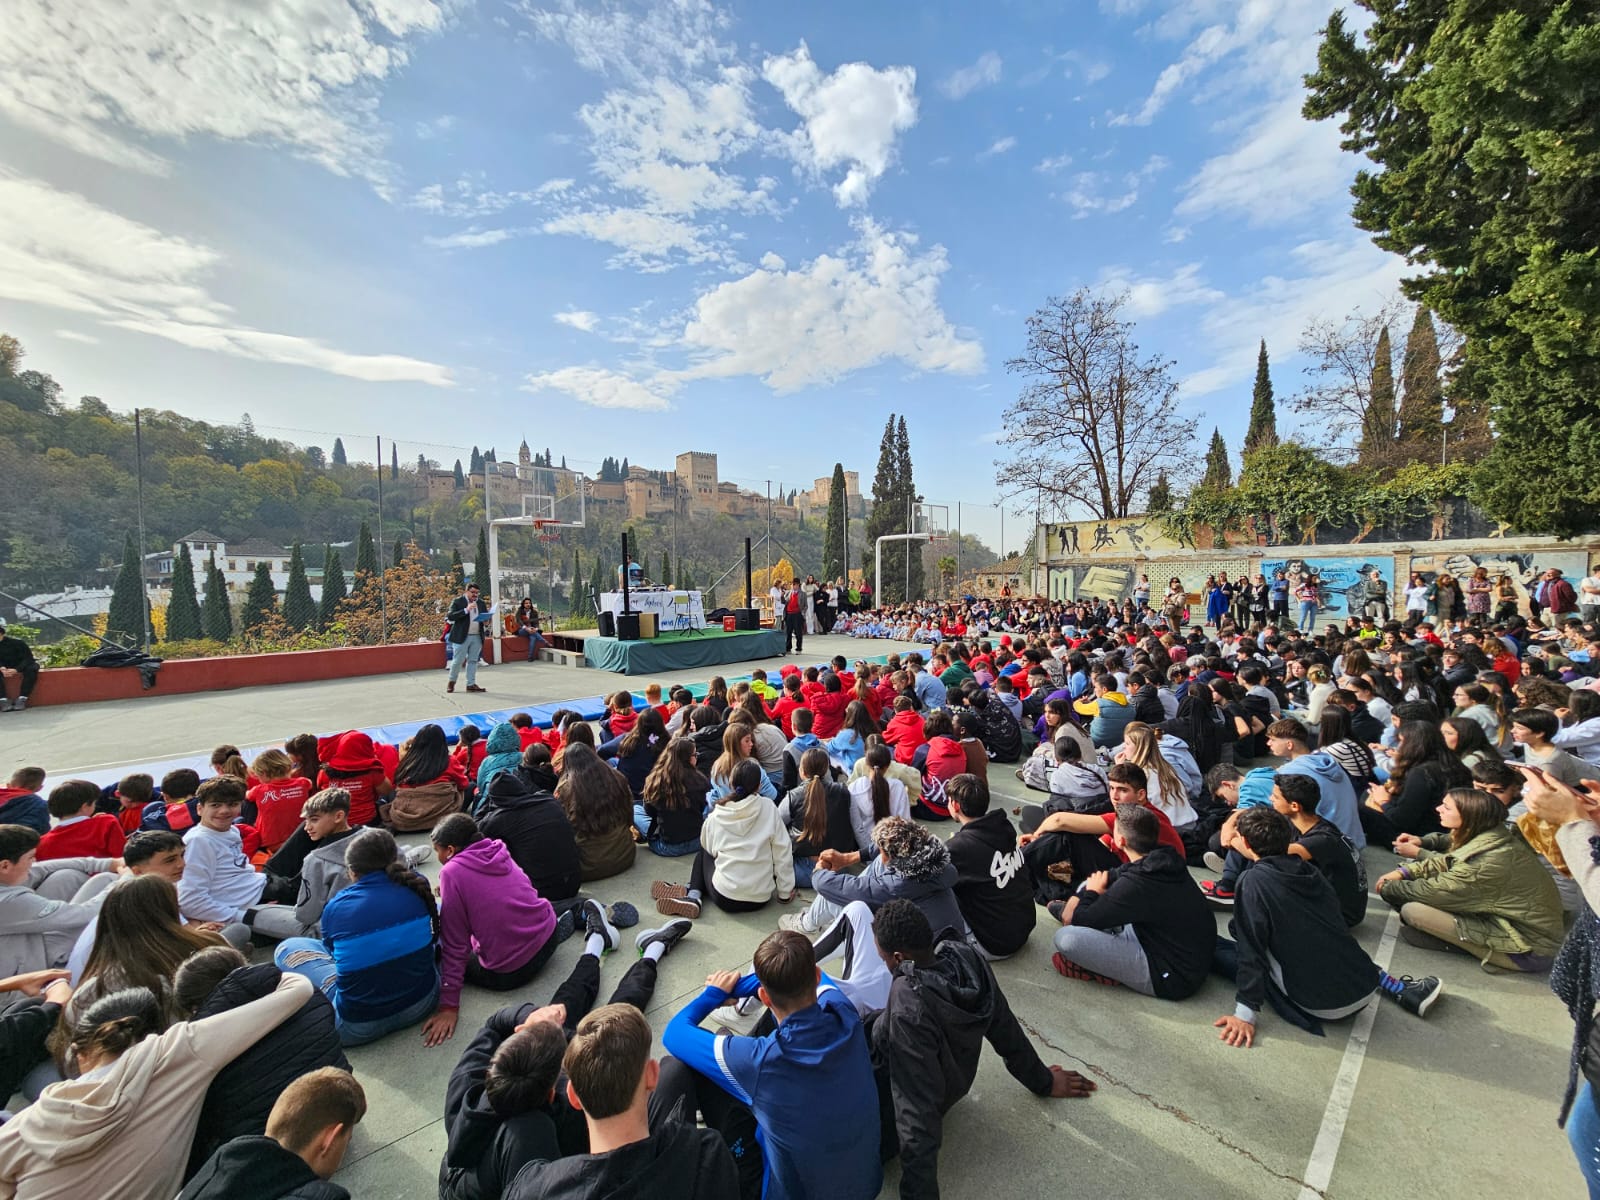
x: 1342, y: 579
x: 1117, y: 539
x: 1102, y: 581
x: 1524, y: 569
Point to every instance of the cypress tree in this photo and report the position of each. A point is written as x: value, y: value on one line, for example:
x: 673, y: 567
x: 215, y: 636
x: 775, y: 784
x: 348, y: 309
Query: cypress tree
x: 476, y: 463
x: 1422, y: 400
x: 461, y: 478
x: 1160, y: 500
x: 480, y: 568
x: 1377, y: 423
x: 339, y: 459
x: 218, y: 613
x: 908, y: 494
x: 458, y: 571
x: 260, y: 600
x: 888, y: 512
x: 183, y: 610
x: 333, y: 588
x: 399, y: 552
x: 366, y: 557
x: 1219, y: 473
x: 575, y: 600
x: 129, y: 617
x: 666, y: 569
x: 299, y: 609
x: 394, y: 461
x: 1263, y: 429
x: 833, y: 532
x: 597, y: 577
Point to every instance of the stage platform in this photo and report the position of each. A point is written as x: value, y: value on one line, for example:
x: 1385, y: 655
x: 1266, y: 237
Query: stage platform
x: 675, y: 651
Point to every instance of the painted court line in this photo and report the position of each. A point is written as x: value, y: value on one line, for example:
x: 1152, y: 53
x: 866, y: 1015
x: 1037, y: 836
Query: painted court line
x: 1319, y: 1168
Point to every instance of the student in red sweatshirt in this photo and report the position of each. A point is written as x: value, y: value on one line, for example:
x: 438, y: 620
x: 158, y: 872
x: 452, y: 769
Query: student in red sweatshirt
x: 829, y: 707
x: 904, y: 732
x: 620, y: 719
x: 278, y: 798
x: 783, y: 710
x: 352, y: 764
x: 811, y: 685
x: 133, y: 793
x: 80, y: 832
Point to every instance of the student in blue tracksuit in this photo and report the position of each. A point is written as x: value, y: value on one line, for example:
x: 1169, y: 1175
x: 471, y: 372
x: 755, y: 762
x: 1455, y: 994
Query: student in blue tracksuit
x: 807, y: 1084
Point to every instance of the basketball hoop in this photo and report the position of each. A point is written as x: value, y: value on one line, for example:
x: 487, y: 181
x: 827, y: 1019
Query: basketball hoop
x: 545, y: 531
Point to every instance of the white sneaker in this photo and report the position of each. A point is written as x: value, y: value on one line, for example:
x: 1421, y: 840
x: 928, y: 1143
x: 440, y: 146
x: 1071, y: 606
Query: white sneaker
x: 19, y: 704
x: 1214, y: 861
x: 415, y: 856
x: 799, y: 922
x: 5, y: 705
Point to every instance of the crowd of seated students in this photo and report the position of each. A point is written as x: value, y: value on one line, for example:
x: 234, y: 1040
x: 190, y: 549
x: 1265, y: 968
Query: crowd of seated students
x: 1266, y: 756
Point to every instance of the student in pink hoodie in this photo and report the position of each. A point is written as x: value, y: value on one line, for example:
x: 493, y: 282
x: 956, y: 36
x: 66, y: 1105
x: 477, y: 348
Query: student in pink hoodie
x: 495, y: 930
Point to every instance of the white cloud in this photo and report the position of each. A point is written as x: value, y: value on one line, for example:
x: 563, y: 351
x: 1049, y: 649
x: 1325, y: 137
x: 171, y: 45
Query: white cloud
x: 794, y: 328
x: 636, y: 42
x: 1212, y: 43
x: 1053, y: 166
x: 602, y: 388
x: 1150, y: 296
x: 579, y: 319
x: 104, y: 77
x: 645, y: 240
x: 981, y: 74
x: 999, y: 146
x: 851, y: 117
x: 1092, y: 192
x: 428, y: 130
x: 72, y: 335
x: 553, y: 187
x: 473, y: 239
x: 468, y: 197
x: 1281, y: 167
x: 59, y: 250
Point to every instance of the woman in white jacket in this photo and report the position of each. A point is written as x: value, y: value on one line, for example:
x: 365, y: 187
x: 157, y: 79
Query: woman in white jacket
x: 1580, y: 726
x: 745, y: 854
x: 123, y: 1126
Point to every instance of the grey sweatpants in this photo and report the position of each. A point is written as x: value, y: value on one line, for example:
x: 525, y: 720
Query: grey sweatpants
x: 1115, y: 955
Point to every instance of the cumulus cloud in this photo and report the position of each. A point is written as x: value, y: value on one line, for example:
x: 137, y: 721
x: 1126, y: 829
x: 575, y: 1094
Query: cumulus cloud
x: 108, y: 77
x: 1150, y: 296
x: 999, y: 146
x: 579, y: 319
x: 644, y: 240
x: 981, y: 74
x: 633, y: 41
x: 601, y: 387
x: 59, y: 250
x: 851, y: 117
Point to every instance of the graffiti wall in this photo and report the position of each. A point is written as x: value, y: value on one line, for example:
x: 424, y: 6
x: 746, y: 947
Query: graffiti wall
x: 1102, y: 581
x: 1524, y: 569
x: 1342, y: 579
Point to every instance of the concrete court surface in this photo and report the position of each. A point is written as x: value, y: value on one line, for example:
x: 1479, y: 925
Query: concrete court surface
x: 1461, y: 1104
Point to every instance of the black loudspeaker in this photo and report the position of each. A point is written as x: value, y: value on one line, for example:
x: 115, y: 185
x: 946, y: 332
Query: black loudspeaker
x: 628, y: 627
x: 608, y: 623
x: 747, y: 618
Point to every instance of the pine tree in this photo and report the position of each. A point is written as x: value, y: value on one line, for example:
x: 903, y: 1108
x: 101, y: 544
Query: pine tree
x: 666, y: 569
x: 333, y: 588
x: 339, y: 459
x: 422, y: 465
x: 575, y: 600
x: 394, y: 461
x: 476, y: 467
x: 908, y: 488
x: 623, y: 469
x: 833, y: 531
x: 1218, y: 473
x: 129, y: 617
x: 218, y: 612
x: 563, y: 462
x: 888, y: 514
x: 183, y: 609
x: 1160, y: 500
x: 399, y: 552
x: 1263, y: 429
x: 1377, y: 424
x: 461, y: 478
x: 598, y: 581
x: 480, y: 568
x: 1422, y: 401
x: 260, y: 599
x: 299, y: 609
x: 458, y: 570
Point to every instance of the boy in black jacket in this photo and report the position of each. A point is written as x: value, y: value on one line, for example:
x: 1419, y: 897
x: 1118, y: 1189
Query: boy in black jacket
x: 1293, y: 949
x: 943, y: 1003
x: 992, y: 888
x: 1144, y: 924
x: 634, y: 1153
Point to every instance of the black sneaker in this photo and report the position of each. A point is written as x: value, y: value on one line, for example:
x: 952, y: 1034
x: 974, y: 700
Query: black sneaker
x: 1416, y: 996
x: 669, y: 935
x: 566, y: 926
x: 1055, y: 908
x: 594, y: 921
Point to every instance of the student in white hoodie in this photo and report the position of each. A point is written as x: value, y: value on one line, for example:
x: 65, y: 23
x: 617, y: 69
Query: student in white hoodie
x: 218, y: 883
x: 745, y: 857
x: 124, y: 1125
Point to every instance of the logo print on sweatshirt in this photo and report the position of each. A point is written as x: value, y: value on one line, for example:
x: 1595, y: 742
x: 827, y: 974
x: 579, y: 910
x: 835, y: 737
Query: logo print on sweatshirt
x: 1004, y: 867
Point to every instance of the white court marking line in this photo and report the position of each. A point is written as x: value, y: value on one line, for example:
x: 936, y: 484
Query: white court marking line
x: 1319, y: 1168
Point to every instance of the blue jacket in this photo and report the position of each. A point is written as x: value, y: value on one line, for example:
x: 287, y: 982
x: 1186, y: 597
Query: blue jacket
x: 930, y: 692
x: 846, y: 749
x: 381, y: 937
x: 810, y: 1085
x: 24, y: 808
x: 1339, y: 803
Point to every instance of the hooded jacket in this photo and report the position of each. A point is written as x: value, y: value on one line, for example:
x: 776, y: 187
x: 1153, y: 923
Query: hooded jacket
x: 36, y: 932
x: 242, y: 1095
x: 503, y: 752
x: 750, y: 849
x: 487, y: 907
x: 522, y: 811
x: 258, y: 1168
x: 1338, y: 802
x: 19, y: 806
x: 1110, y: 715
x: 676, y: 1162
x: 1002, y: 736
x: 707, y: 747
x: 991, y: 888
x: 1582, y: 740
x: 323, y: 876
x: 927, y: 1040
x: 1147, y: 706
x: 904, y: 733
x: 927, y: 885
x: 125, y: 1131
x: 350, y: 762
x: 1169, y: 915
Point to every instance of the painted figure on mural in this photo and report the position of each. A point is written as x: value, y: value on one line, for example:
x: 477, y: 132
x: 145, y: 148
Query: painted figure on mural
x: 1135, y: 535
x: 1102, y: 537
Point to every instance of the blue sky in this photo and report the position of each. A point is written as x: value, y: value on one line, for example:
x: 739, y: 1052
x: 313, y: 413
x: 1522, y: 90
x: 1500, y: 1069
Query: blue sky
x: 634, y: 229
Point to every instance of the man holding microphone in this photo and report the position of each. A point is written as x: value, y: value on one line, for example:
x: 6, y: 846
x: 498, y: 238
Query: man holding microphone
x: 467, y: 616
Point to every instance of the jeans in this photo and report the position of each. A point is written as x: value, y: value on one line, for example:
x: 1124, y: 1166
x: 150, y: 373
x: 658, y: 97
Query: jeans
x: 1117, y: 955
x: 467, y: 652
x: 306, y: 956
x: 1308, y: 616
x: 1583, y: 1135
x: 803, y: 868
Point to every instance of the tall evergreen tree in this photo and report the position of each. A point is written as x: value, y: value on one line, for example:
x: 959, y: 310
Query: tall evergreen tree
x: 1160, y: 500
x: 575, y: 601
x: 1263, y: 429
x: 366, y: 557
x: 1219, y: 472
x: 299, y: 609
x: 476, y: 467
x: 599, y: 582
x: 394, y: 461
x: 908, y: 487
x: 1377, y: 424
x: 563, y: 462
x: 218, y: 611
x: 183, y: 609
x: 399, y: 552
x: 461, y: 478
x: 1422, y: 400
x: 458, y: 569
x: 480, y: 568
x: 260, y: 599
x: 623, y: 469
x: 129, y: 617
x: 333, y: 588
x: 888, y: 516
x: 339, y: 459
x: 666, y: 569
x: 833, y: 531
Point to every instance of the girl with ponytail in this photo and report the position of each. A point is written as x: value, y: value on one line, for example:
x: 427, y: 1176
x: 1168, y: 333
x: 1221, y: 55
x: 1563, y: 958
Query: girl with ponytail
x: 875, y: 796
x: 816, y: 814
x: 745, y: 857
x: 378, y: 959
